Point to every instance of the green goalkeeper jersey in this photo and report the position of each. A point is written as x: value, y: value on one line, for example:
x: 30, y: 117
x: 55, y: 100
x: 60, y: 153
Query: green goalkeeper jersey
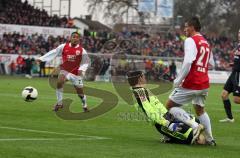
x: 151, y: 106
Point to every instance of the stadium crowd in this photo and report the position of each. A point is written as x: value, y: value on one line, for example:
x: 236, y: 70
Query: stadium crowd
x: 170, y: 45
x: 127, y: 42
x: 18, y: 12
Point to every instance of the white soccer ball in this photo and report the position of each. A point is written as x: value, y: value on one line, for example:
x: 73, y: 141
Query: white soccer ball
x: 29, y: 94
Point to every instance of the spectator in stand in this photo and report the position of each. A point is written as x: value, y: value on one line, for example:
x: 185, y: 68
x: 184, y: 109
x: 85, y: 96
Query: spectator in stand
x: 2, y: 68
x: 106, y: 64
x: 20, y: 64
x: 29, y: 64
x: 18, y: 12
x: 173, y: 70
x: 12, y: 67
x: 143, y: 44
x: 35, y: 67
x: 42, y: 70
x: 148, y: 68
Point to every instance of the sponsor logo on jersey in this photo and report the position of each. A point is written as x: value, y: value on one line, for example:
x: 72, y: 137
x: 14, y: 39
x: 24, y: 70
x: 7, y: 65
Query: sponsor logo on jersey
x: 78, y: 52
x: 71, y: 57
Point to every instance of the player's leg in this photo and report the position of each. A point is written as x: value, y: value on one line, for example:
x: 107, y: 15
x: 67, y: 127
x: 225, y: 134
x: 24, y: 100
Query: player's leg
x: 177, y: 98
x: 199, y: 103
x: 228, y: 88
x: 174, y: 97
x: 28, y: 72
x: 40, y: 72
x: 171, y: 104
x: 227, y: 107
x: 44, y: 71
x: 59, y: 92
x: 181, y: 115
x: 236, y: 88
x: 205, y: 121
x: 236, y: 93
x: 77, y: 81
x: 183, y: 134
x: 236, y: 99
x: 83, y: 97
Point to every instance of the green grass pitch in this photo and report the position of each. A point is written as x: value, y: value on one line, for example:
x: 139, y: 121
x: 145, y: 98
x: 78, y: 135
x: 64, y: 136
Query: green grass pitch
x: 32, y: 130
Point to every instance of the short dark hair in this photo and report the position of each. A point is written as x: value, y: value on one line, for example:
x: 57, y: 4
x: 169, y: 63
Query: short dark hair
x: 75, y: 32
x: 133, y: 77
x: 195, y: 22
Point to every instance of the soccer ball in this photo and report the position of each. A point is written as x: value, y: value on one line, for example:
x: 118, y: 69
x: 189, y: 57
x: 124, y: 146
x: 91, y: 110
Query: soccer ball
x: 29, y: 94
x: 201, y: 139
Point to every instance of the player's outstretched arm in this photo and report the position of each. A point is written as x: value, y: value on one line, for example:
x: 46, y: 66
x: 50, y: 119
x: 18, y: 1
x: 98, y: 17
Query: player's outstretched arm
x: 52, y: 54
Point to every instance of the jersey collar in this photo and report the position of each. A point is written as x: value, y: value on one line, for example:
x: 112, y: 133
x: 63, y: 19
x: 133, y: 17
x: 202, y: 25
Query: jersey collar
x: 75, y: 46
x: 198, y: 34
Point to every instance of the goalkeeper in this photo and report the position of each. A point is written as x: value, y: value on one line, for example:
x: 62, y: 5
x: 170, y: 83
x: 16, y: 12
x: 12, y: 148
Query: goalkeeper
x: 173, y: 130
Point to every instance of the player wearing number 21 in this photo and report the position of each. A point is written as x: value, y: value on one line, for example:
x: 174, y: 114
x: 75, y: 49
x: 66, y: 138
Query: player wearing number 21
x: 192, y: 82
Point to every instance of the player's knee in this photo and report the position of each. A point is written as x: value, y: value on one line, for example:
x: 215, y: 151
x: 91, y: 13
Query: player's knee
x: 236, y: 100
x: 60, y: 83
x: 199, y: 110
x: 80, y: 93
x: 224, y: 95
x: 169, y: 104
x: 81, y: 96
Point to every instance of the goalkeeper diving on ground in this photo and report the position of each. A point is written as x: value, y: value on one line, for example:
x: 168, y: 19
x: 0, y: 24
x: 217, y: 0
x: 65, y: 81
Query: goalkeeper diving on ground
x: 173, y: 130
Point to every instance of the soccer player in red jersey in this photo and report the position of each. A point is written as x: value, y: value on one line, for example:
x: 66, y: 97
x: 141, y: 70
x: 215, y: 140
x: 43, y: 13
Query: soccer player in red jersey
x: 74, y: 62
x: 192, y: 82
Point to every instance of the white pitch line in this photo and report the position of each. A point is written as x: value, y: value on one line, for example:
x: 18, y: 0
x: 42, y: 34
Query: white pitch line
x: 50, y: 132
x: 44, y: 139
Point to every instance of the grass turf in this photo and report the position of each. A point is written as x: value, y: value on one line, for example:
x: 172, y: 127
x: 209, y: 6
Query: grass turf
x: 32, y: 130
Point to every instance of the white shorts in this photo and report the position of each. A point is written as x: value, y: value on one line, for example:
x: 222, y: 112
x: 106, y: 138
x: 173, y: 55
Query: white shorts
x: 76, y: 80
x: 183, y: 96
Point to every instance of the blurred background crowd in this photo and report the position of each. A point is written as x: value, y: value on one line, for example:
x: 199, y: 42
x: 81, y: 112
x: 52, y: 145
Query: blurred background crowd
x: 17, y: 12
x: 168, y: 44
